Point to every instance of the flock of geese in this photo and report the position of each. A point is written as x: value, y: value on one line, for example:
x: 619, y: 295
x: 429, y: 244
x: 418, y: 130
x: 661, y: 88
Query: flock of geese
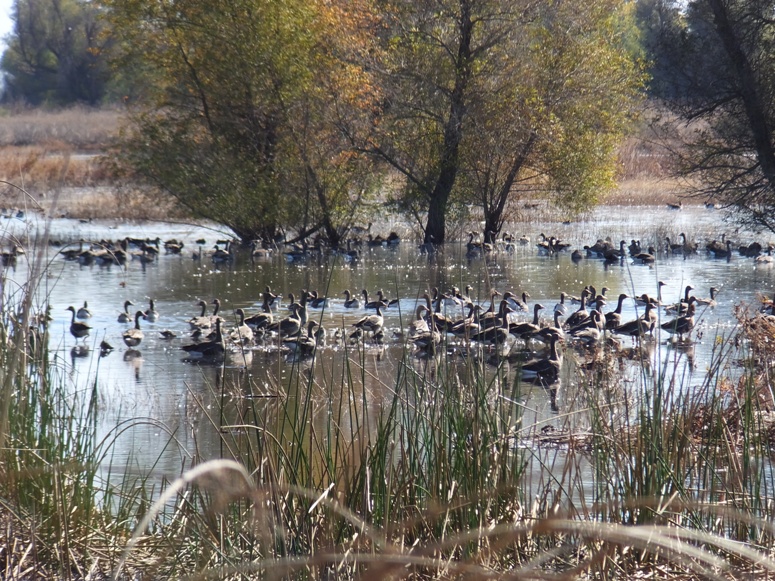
x: 450, y: 321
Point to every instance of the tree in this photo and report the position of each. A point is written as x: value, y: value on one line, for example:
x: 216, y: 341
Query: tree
x: 242, y: 122
x: 57, y: 52
x: 482, y: 95
x: 731, y: 105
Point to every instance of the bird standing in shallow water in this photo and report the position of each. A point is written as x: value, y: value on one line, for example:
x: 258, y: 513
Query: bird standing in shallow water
x: 84, y: 312
x: 77, y: 329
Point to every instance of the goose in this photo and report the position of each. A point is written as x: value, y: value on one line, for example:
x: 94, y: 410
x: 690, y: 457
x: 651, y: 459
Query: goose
x: 672, y: 206
x: 125, y: 316
x: 681, y: 325
x: 419, y: 325
x: 173, y: 246
x: 270, y: 298
x: 77, y: 329
x: 468, y: 325
x: 304, y: 344
x: 588, y: 333
x: 371, y: 323
x: 290, y: 325
x: 211, y: 350
x: 316, y: 301
x: 545, y: 370
x: 151, y: 315
x: 639, y: 326
x: 681, y: 306
x: 242, y: 333
x: 672, y: 247
x: 581, y: 314
x: 134, y: 336
x: 687, y: 247
x: 371, y: 305
x: 599, y: 301
x: 222, y: 255
x: 723, y: 252
x: 167, y: 335
x: 708, y: 302
x: 525, y: 330
x: 515, y: 303
x: 350, y: 303
x: 428, y: 341
x: 614, y: 318
x: 613, y: 254
x: 576, y: 256
x: 643, y: 299
x: 258, y: 251
x: 561, y: 307
x: 261, y: 320
x: 765, y: 259
x: 634, y: 247
x: 646, y: 257
x: 545, y: 334
x: 84, y: 312
x: 492, y: 319
x: 202, y: 321
x: 496, y: 335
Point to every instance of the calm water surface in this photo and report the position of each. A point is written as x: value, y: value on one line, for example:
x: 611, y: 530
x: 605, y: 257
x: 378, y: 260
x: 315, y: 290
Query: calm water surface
x: 154, y: 383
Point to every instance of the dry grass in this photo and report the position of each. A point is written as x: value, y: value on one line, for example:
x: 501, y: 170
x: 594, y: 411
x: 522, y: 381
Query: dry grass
x: 48, y: 152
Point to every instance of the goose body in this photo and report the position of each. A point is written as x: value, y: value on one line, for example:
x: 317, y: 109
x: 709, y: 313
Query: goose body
x: 242, y: 333
x: 84, y: 312
x: 349, y: 302
x: 125, y: 316
x: 211, y: 350
x: 545, y: 370
x: 134, y: 336
x: 151, y: 315
x: 77, y: 329
x: 371, y: 323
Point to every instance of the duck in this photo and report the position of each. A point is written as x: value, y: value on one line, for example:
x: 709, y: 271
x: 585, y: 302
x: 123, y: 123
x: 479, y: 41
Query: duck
x: 77, y: 329
x: 134, y: 336
x: 211, y: 350
x: 349, y: 302
x: 84, y: 312
x: 544, y: 370
x: 151, y: 315
x: 125, y: 316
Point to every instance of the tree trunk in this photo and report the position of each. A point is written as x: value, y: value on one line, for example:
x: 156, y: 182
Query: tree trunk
x: 435, y: 229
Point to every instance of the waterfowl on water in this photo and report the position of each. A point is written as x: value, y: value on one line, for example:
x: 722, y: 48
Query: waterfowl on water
x: 371, y: 305
x: 545, y: 334
x: 498, y: 333
x: 708, y: 302
x: 207, y: 350
x: 151, y: 315
x: 350, y: 303
x: 242, y: 333
x: 581, y: 314
x: 134, y: 336
x: 681, y: 325
x: 547, y: 369
x: 641, y: 325
x: 84, y: 312
x: 261, y: 320
x: 614, y: 318
x: 371, y: 323
x: 561, y: 307
x: 524, y: 330
x: 125, y: 316
x: 290, y: 325
x: 77, y: 329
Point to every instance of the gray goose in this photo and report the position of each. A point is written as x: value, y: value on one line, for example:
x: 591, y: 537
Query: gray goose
x: 545, y: 334
x: 77, y: 329
x: 496, y: 335
x: 84, y: 312
x: 350, y: 303
x: 242, y: 333
x: 547, y: 369
x: 681, y: 325
x: 614, y: 318
x: 262, y: 319
x: 134, y: 336
x: 151, y: 315
x: 371, y: 323
x: 641, y: 325
x: 207, y: 350
x: 125, y: 316
x: 290, y: 325
x: 581, y: 314
x: 525, y: 330
x: 708, y: 302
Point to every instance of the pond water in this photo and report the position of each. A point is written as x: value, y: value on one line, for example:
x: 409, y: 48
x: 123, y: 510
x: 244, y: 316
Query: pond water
x: 174, y: 398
